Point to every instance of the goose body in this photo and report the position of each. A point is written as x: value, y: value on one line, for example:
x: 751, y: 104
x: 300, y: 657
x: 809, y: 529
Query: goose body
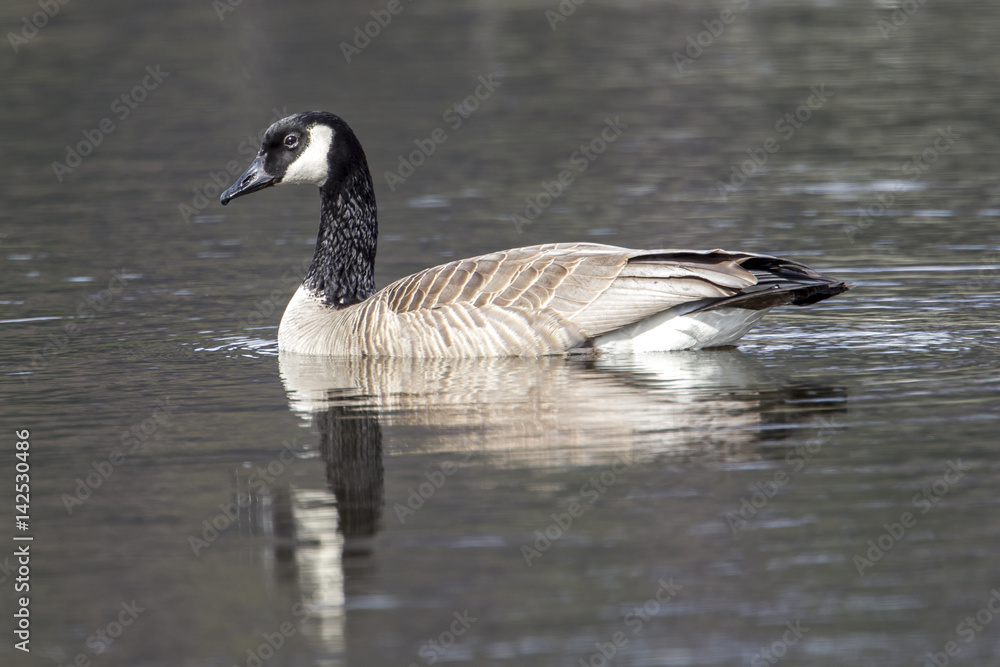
x: 536, y: 300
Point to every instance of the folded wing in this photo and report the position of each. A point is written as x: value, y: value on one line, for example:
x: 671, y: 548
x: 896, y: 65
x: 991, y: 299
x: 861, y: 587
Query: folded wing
x: 577, y: 291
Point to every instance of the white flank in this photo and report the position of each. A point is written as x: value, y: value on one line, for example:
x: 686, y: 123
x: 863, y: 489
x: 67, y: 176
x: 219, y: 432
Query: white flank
x: 710, y: 328
x: 311, y: 166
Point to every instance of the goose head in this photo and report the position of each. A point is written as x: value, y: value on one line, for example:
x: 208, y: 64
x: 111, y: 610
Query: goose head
x: 314, y: 147
x: 319, y: 148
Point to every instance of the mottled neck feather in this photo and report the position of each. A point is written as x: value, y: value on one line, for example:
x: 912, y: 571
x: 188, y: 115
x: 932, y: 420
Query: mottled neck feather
x: 342, y: 272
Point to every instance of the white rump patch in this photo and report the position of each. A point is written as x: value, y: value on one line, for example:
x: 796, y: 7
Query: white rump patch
x: 311, y: 166
x: 709, y: 328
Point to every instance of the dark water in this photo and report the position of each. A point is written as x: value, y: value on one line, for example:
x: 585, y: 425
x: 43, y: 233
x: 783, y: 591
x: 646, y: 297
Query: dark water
x: 824, y: 495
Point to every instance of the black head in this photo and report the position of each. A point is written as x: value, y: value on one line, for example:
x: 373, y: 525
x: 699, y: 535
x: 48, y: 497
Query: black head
x: 313, y: 147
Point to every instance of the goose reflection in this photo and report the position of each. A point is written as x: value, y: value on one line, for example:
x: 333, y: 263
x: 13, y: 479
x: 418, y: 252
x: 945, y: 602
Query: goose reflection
x: 556, y: 411
x: 531, y: 414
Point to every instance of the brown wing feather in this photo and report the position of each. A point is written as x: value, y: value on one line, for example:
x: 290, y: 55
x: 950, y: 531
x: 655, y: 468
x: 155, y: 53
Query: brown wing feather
x: 590, y: 288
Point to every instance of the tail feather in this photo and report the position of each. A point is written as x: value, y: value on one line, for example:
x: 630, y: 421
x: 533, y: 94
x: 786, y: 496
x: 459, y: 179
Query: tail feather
x: 779, y: 282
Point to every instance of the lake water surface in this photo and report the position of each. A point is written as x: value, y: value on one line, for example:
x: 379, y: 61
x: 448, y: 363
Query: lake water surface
x: 826, y: 494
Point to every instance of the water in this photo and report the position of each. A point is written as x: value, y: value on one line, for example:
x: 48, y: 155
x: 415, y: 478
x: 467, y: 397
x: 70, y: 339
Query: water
x: 825, y: 493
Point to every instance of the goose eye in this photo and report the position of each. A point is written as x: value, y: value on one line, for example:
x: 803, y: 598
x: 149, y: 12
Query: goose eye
x: 291, y: 141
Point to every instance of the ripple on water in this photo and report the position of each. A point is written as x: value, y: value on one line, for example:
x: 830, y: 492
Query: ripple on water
x: 242, y: 346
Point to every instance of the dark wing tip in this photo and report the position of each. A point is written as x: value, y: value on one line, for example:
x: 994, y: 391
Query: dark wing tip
x: 810, y: 294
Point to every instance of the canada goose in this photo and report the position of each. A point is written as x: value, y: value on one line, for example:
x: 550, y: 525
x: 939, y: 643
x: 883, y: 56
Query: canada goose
x: 538, y: 300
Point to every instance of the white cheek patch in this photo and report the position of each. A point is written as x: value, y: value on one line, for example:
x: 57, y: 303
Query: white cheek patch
x: 311, y: 166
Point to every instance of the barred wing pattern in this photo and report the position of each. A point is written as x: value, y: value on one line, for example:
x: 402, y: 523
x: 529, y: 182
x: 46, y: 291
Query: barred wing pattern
x: 553, y: 298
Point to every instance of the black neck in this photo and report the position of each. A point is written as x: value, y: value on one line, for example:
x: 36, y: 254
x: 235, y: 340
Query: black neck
x: 342, y: 272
